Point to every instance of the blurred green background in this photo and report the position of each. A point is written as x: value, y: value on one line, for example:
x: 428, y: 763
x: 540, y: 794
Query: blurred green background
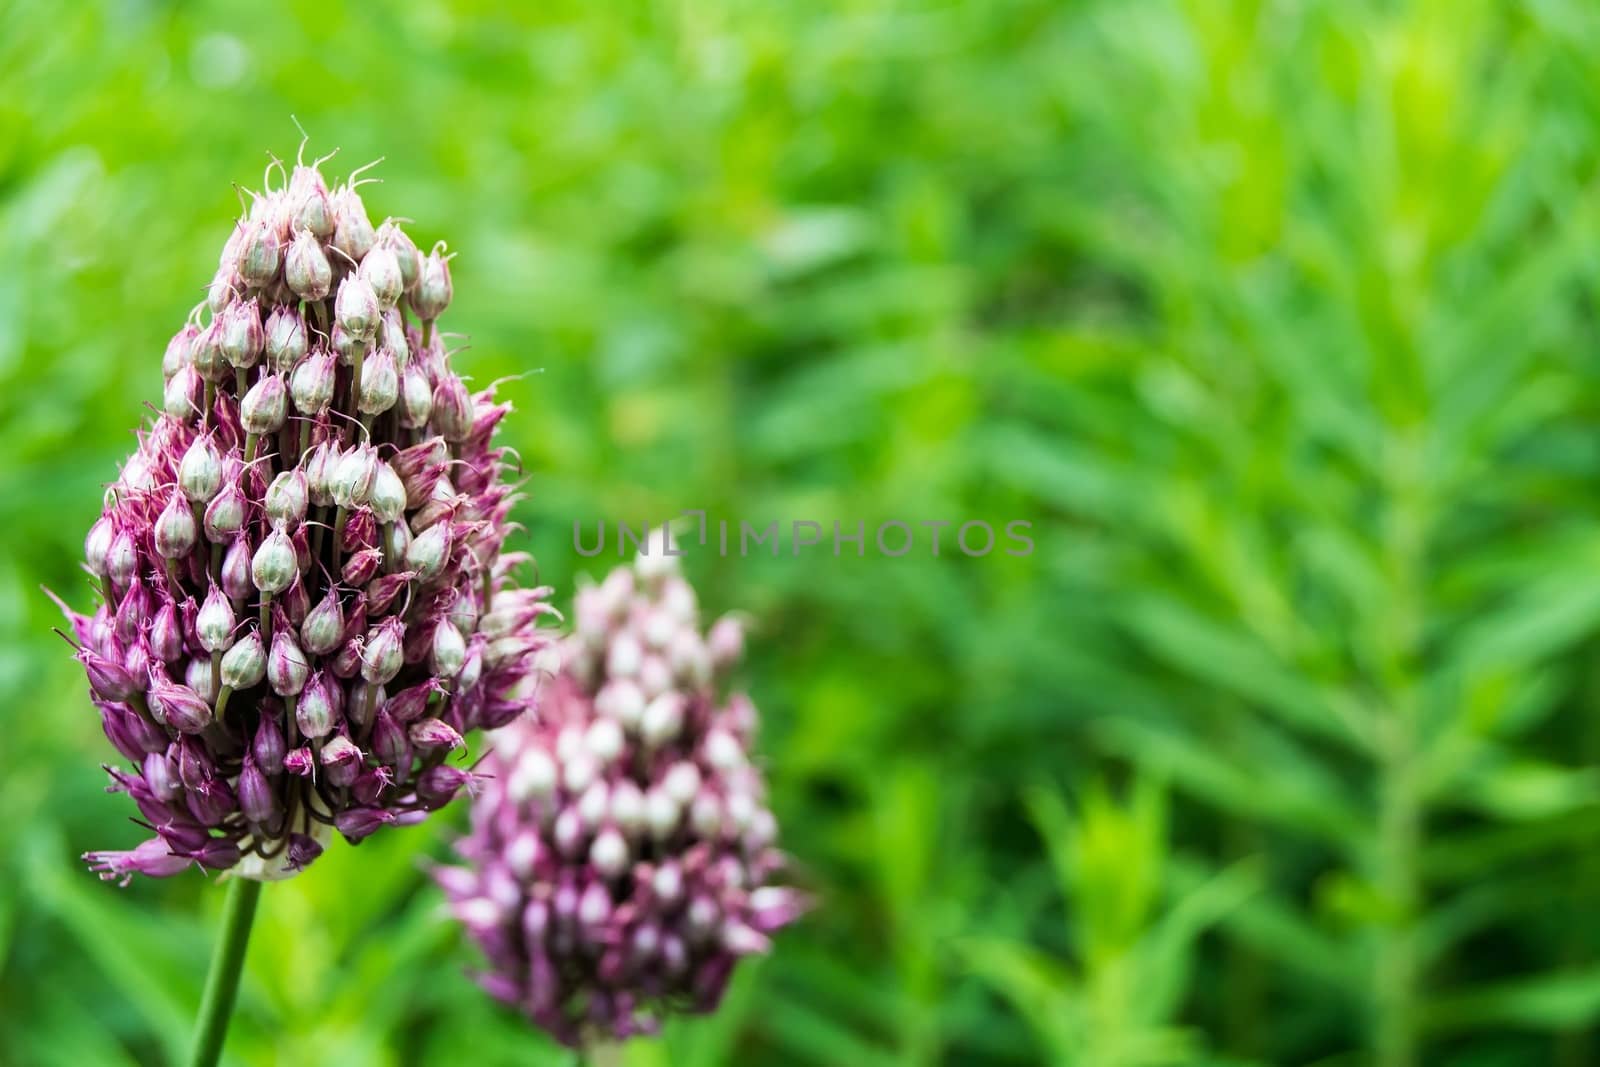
x: 1277, y: 319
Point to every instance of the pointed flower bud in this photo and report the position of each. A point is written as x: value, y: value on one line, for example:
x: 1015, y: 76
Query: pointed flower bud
x: 433, y: 291
x: 265, y: 406
x: 200, y: 472
x: 275, y: 565
x: 306, y: 269
x: 286, y: 499
x: 245, y: 664
x: 356, y: 307
x: 312, y: 383
x: 381, y: 269
x: 175, y: 532
x: 286, y: 338
x: 214, y: 624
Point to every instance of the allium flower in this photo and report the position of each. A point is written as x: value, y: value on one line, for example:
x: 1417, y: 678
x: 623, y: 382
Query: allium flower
x: 306, y: 601
x: 621, y: 851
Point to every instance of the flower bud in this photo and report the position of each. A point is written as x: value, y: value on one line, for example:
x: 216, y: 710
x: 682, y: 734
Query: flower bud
x: 97, y: 545
x: 350, y: 481
x: 287, y: 667
x: 224, y: 516
x: 342, y: 760
x: 265, y: 406
x: 324, y: 627
x: 609, y: 853
x: 381, y: 269
x: 389, y: 742
x: 452, y: 408
x: 197, y: 676
x: 360, y: 568
x: 382, y: 658
x: 245, y: 664
x: 158, y: 773
x: 300, y: 762
x: 359, y: 823
x: 438, y: 785
x: 109, y: 680
x: 179, y: 707
x: 433, y: 291
x: 166, y: 634
x: 319, y: 471
x: 242, y: 337
x: 388, y: 496
x: 312, y: 383
x: 257, y: 802
x: 380, y: 383
x: 430, y: 550
x: 356, y: 307
x: 318, y: 709
x: 183, y: 394
x: 175, y: 532
x: 258, y: 258
x: 200, y: 472
x: 286, y: 499
x: 416, y: 398
x: 448, y: 651
x: 407, y: 258
x: 275, y: 564
x: 310, y: 207
x: 213, y: 625
x: 235, y: 576
x: 269, y: 747
x: 352, y: 232
x: 392, y: 332
x: 434, y: 734
x: 179, y: 353
x: 205, y: 355
x: 286, y: 340
x: 306, y: 269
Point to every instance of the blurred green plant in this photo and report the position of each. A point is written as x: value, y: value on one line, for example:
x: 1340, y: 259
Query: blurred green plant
x: 1118, y: 1005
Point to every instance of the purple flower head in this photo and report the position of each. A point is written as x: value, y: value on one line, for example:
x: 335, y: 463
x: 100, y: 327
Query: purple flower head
x: 291, y: 584
x: 622, y: 851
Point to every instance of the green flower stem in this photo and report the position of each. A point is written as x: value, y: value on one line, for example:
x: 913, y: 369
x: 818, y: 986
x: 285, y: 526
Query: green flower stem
x: 216, y: 1005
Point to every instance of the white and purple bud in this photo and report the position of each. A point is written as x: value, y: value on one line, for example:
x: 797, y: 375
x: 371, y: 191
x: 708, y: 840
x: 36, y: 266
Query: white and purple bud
x: 352, y: 229
x: 306, y: 269
x: 245, y: 664
x: 241, y: 336
x: 286, y: 499
x: 264, y: 406
x: 323, y: 628
x: 356, y: 308
x: 286, y: 338
x: 213, y: 624
x: 274, y: 566
x: 200, y: 471
x: 175, y: 533
x: 312, y: 383
x: 380, y: 267
x: 380, y: 383
x: 287, y: 666
x: 225, y: 515
x: 383, y: 655
x: 432, y: 294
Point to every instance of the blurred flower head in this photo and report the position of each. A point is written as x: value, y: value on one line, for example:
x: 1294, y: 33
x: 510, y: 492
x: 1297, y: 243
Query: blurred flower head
x: 622, y: 853
x: 306, y: 601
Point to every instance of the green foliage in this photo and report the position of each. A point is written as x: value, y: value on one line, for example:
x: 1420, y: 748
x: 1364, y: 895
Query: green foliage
x: 1275, y: 318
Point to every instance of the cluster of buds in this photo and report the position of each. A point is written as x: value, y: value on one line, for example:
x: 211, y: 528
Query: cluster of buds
x: 621, y: 848
x: 306, y: 601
